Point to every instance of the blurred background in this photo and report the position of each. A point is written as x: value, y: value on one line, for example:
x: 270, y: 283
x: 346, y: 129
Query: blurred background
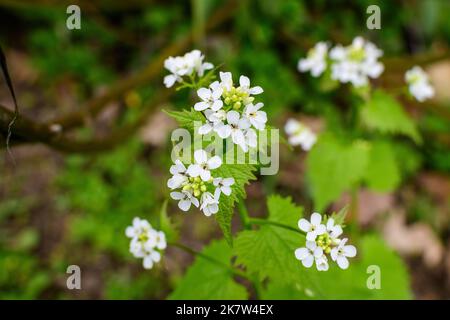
x: 93, y: 150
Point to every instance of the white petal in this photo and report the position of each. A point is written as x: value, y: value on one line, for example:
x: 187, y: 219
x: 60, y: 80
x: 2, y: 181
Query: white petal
x: 320, y: 229
x: 233, y: 117
x: 226, y: 190
x: 200, y: 156
x: 194, y: 170
x: 177, y: 195
x: 205, y: 175
x: 184, y: 205
x: 130, y: 232
x: 311, y: 245
x: 342, y: 262
x: 205, y: 129
x: 308, y: 261
x: 200, y: 106
x: 238, y: 137
x: 223, y: 131
x: 311, y: 236
x: 244, y: 81
x: 195, y: 202
x: 214, y: 162
x: 334, y: 253
x: 302, y: 253
x: 217, y: 104
x: 228, y: 181
x: 316, y: 218
x: 156, y: 256
x: 349, y: 251
x: 304, y: 225
x: 256, y: 90
x: 169, y: 80
x: 148, y: 262
x: 204, y: 93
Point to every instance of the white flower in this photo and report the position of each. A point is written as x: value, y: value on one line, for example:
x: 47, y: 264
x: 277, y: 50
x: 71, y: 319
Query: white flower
x: 209, y: 204
x: 251, y: 138
x: 185, y: 199
x: 313, y: 228
x: 210, y: 98
x: 184, y: 66
x: 334, y: 230
x: 244, y: 84
x: 356, y: 63
x: 307, y: 255
x: 146, y: 242
x: 214, y: 120
x: 235, y: 127
x: 151, y: 258
x: 342, y: 252
x: 179, y: 175
x: 222, y: 186
x: 195, y: 60
x: 203, y: 165
x: 322, y: 263
x: 299, y: 134
x: 256, y: 117
x: 316, y: 60
x: 138, y: 227
x: 419, y: 84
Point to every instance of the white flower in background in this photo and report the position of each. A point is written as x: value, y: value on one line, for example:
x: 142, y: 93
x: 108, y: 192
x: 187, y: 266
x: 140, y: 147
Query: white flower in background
x: 209, y: 204
x: 299, y: 134
x: 419, y: 84
x: 342, y: 252
x: 309, y: 254
x: 356, y: 63
x: 185, y: 66
x: 323, y: 241
x: 316, y: 60
x: 146, y: 242
x: 203, y: 165
x: 222, y: 186
x: 186, y: 199
x: 256, y: 117
x: 313, y: 228
x: 322, y: 263
x: 210, y: 99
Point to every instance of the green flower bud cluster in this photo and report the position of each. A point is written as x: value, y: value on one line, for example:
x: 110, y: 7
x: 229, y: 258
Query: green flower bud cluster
x: 358, y: 54
x: 196, y: 185
x: 324, y: 241
x: 236, y: 98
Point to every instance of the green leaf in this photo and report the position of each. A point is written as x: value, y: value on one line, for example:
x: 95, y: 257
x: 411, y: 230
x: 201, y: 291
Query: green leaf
x: 186, y: 118
x: 269, y: 251
x: 207, y: 280
x: 166, y: 224
x: 383, y: 173
x: 384, y: 114
x: 242, y: 174
x: 334, y: 167
x: 350, y: 283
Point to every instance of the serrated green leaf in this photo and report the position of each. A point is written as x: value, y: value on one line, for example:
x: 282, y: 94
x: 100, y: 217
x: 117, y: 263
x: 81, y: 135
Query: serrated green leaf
x: 384, y: 114
x: 269, y: 251
x: 186, y: 118
x: 334, y: 167
x: 242, y: 174
x: 382, y: 173
x: 206, y: 280
x: 350, y: 283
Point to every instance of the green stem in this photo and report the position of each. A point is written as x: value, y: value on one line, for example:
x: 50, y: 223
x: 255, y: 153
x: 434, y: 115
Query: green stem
x: 243, y: 214
x: 234, y: 271
x: 273, y: 223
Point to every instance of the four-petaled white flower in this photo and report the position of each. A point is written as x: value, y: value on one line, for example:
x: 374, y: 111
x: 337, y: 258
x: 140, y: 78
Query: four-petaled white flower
x: 190, y: 63
x: 418, y: 84
x: 356, y: 63
x: 256, y: 117
x: 210, y: 98
x: 309, y: 254
x: 244, y: 84
x: 315, y: 60
x: 334, y: 230
x: 299, y: 134
x: 214, y: 120
x: 222, y: 186
x: 146, y: 242
x: 342, y: 252
x: 186, y: 198
x: 313, y: 228
x: 210, y: 205
x: 203, y: 165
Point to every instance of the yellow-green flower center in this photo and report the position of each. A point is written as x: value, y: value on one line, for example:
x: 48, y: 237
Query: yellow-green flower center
x: 236, y: 97
x: 324, y: 241
x: 196, y: 185
x: 357, y: 54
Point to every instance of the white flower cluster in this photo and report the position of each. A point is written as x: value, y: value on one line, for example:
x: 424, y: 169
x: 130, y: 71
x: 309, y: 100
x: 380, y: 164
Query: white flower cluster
x: 189, y: 64
x: 299, y: 134
x: 323, y: 240
x: 419, y: 84
x: 230, y: 112
x: 353, y: 64
x: 146, y: 242
x: 196, y: 182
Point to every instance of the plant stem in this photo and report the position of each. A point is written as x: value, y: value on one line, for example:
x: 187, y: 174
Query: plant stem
x: 234, y: 271
x: 243, y: 214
